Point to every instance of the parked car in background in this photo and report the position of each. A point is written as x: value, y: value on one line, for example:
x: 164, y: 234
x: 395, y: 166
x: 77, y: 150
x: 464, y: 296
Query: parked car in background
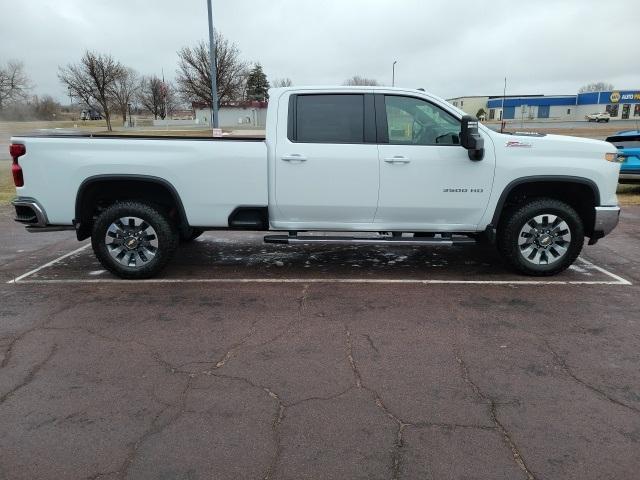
x: 90, y: 114
x: 628, y: 144
x: 598, y: 117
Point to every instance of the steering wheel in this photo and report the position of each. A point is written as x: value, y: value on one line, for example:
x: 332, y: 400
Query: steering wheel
x: 425, y: 136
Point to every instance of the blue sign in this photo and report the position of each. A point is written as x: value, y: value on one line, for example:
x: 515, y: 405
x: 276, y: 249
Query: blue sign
x: 620, y: 96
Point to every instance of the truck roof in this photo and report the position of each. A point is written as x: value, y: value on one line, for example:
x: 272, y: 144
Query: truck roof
x: 358, y: 88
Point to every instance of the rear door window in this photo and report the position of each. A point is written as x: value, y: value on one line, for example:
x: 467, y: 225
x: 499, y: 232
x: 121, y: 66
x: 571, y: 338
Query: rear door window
x: 329, y: 119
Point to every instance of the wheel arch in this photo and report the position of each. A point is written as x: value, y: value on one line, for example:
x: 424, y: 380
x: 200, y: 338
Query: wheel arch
x: 579, y: 192
x: 114, y: 187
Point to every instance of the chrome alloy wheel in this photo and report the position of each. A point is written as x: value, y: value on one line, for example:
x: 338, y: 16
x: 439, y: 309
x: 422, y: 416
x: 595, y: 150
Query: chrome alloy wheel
x: 131, y: 241
x: 544, y: 239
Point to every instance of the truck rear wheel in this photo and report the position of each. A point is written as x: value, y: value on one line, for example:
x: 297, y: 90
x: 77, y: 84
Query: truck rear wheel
x: 133, y: 240
x: 542, y: 237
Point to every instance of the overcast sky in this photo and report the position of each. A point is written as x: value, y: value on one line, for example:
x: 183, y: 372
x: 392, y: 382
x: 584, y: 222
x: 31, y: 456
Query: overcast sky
x: 450, y: 47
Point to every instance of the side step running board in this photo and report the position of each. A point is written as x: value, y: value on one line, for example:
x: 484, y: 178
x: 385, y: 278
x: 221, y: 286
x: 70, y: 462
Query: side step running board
x: 295, y: 239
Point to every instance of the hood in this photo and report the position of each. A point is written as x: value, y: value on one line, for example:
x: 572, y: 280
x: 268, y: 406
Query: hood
x: 559, y: 144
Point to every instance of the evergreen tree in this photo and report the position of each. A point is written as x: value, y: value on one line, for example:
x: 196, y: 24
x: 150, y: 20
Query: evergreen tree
x: 257, y: 84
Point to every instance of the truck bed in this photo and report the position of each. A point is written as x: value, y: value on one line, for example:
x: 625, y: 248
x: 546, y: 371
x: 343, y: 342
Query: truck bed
x: 212, y: 175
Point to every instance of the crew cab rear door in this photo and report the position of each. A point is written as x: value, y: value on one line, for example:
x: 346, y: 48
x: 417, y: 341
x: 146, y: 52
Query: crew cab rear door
x: 427, y: 180
x: 326, y: 161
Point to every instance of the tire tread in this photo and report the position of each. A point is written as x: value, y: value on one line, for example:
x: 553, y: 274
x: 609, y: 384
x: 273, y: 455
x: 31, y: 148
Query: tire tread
x: 507, y: 235
x: 167, y: 238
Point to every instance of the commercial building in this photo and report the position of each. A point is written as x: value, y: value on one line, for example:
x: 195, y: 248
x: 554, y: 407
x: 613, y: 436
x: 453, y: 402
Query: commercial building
x: 471, y: 105
x: 620, y: 104
x: 557, y: 107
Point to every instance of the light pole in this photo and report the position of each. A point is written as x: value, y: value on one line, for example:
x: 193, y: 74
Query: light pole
x: 212, y: 59
x: 393, y: 74
x: 504, y: 94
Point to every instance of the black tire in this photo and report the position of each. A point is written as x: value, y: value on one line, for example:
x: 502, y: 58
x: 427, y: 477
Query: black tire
x: 166, y: 238
x: 512, y: 228
x: 190, y: 234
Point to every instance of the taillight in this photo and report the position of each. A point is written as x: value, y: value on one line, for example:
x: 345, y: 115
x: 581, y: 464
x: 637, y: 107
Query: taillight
x: 18, y: 178
x: 16, y: 150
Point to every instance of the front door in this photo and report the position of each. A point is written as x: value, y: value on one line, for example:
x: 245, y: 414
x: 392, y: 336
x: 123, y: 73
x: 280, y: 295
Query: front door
x: 326, y: 162
x: 427, y: 180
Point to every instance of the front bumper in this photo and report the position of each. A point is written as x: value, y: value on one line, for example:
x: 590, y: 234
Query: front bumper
x: 629, y: 175
x: 606, y: 219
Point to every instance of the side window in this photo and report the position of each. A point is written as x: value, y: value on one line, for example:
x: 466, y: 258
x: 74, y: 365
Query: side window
x: 411, y: 121
x: 329, y: 119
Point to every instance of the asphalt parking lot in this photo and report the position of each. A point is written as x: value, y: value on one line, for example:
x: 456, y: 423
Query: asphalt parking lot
x: 247, y: 360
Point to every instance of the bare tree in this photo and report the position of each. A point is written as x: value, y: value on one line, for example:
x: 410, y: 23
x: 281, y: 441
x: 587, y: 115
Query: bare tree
x: 93, y: 80
x: 282, y: 82
x: 45, y: 108
x: 596, y: 87
x: 194, y: 72
x: 124, y: 91
x: 357, y: 80
x: 14, y: 82
x: 156, y: 96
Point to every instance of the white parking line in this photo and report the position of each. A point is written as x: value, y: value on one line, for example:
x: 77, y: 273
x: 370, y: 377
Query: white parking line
x: 325, y: 280
x: 22, y: 279
x: 620, y: 280
x: 48, y: 264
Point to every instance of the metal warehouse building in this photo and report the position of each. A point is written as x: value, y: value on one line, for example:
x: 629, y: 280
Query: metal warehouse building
x: 621, y: 105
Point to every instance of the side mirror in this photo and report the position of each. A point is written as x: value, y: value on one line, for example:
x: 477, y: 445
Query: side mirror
x: 471, y: 139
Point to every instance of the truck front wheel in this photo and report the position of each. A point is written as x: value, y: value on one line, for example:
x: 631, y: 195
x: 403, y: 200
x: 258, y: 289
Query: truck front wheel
x: 541, y: 237
x: 133, y: 240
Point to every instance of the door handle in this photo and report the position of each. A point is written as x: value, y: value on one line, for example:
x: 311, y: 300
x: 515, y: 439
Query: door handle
x: 397, y: 159
x: 294, y: 157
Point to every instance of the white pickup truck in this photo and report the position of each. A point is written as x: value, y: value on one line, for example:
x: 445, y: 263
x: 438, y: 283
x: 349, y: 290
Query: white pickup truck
x: 402, y: 164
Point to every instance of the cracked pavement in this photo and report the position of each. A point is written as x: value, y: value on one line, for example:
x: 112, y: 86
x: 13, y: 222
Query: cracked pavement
x: 295, y: 381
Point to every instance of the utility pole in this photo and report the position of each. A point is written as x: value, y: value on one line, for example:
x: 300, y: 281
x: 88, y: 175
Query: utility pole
x: 393, y: 73
x: 165, y: 91
x: 212, y: 58
x: 504, y: 94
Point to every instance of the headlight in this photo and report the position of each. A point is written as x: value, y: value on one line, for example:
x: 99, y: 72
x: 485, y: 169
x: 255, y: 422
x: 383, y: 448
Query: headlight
x: 613, y: 157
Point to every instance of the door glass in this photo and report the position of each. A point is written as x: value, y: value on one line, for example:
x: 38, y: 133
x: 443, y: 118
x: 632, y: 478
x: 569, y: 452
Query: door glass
x: 330, y: 119
x: 411, y: 121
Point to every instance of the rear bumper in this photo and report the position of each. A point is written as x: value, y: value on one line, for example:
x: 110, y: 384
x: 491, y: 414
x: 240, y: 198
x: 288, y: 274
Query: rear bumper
x: 606, y: 219
x: 30, y: 213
